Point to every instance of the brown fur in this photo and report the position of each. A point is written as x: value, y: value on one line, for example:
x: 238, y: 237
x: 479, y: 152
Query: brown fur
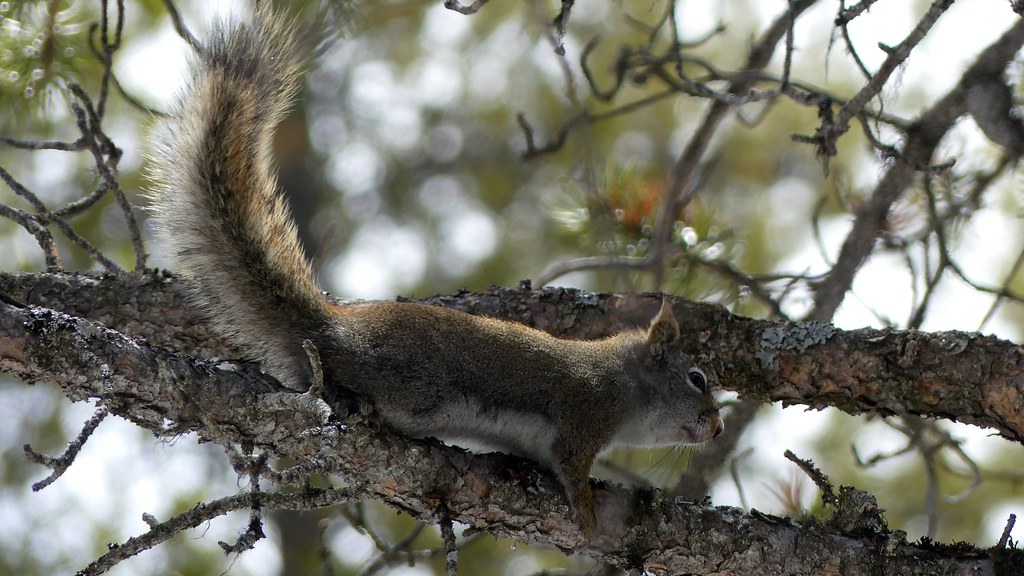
x: 429, y: 371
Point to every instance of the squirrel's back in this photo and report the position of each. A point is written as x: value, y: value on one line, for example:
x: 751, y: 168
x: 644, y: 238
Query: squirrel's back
x: 216, y: 198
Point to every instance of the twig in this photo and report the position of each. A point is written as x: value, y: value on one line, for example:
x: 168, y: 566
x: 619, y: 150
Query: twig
x: 60, y: 464
x: 451, y: 555
x: 390, y: 554
x: 44, y: 145
x: 309, y: 499
x: 109, y: 47
x: 254, y: 530
x: 559, y: 269
x: 848, y: 14
x: 75, y: 207
x: 559, y: 23
x: 355, y: 514
x: 646, y: 65
x: 179, y: 26
x: 931, y: 280
x: 104, y: 41
x: 828, y: 495
x: 841, y: 23
x: 32, y: 225
x: 1005, y: 538
x: 889, y: 152
x: 135, y: 102
x: 753, y: 283
x: 787, y: 62
x: 896, y: 56
x: 621, y: 65
x: 106, y: 156
x: 1014, y: 269
x: 735, y: 475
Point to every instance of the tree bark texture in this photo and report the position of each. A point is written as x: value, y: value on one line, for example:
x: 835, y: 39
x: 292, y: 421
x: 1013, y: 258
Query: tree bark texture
x: 964, y: 376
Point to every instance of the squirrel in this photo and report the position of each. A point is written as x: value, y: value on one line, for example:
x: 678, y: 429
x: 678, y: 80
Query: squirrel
x: 428, y: 371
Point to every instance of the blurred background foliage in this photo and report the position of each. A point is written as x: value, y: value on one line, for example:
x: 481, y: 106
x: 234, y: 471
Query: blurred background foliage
x: 403, y: 166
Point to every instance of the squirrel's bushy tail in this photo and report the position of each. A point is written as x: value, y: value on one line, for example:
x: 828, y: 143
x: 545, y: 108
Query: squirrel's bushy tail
x: 216, y: 197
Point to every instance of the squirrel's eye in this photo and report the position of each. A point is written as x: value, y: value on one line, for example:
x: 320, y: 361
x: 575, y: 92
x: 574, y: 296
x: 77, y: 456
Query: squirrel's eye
x: 698, y: 380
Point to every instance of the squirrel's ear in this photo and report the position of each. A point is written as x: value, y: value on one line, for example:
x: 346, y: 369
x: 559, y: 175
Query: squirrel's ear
x: 663, y: 333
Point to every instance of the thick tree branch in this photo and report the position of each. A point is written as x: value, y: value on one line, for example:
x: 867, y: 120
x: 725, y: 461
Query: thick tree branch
x: 169, y: 394
x: 961, y: 376
x: 166, y: 393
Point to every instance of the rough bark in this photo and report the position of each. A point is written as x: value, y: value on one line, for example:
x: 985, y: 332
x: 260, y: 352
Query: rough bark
x: 170, y: 393
x: 962, y: 376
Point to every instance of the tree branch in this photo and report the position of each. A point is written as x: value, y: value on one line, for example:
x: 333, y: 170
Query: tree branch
x: 169, y: 394
x: 962, y: 376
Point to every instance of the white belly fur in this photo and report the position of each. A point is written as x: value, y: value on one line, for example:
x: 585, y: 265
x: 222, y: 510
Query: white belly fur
x: 464, y: 424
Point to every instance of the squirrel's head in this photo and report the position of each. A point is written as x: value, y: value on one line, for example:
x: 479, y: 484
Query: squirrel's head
x: 675, y: 400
